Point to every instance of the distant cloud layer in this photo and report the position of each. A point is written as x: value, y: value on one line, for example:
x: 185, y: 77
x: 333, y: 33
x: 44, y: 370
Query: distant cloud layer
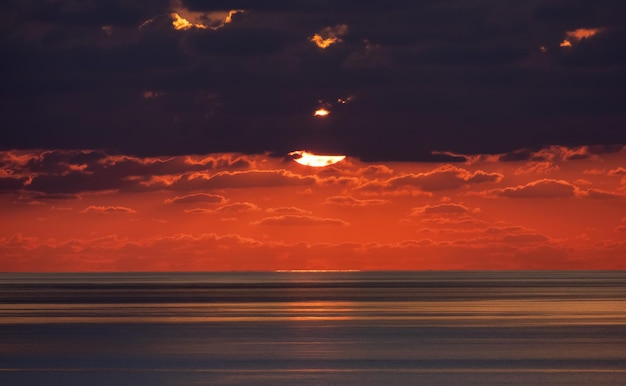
x: 91, y: 210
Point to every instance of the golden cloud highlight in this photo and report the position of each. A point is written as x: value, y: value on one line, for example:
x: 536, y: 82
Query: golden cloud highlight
x: 583, y: 33
x: 297, y: 220
x: 180, y: 23
x: 329, y: 36
x: 579, y: 34
x: 184, y: 19
x: 107, y: 209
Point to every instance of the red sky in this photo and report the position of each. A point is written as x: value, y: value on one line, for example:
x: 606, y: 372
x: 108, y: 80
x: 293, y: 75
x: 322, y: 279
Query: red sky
x: 558, y: 208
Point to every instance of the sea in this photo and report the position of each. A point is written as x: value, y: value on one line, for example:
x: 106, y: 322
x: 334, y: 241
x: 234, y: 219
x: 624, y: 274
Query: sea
x: 314, y: 328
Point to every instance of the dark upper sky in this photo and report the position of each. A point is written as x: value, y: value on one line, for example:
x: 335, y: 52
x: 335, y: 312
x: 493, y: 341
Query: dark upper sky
x: 466, y: 76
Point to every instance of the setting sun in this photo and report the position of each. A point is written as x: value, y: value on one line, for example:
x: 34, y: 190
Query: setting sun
x: 315, y: 160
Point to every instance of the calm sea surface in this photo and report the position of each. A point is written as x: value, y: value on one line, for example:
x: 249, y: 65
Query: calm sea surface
x: 313, y: 328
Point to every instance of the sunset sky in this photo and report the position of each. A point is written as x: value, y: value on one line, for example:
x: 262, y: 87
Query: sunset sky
x: 162, y: 135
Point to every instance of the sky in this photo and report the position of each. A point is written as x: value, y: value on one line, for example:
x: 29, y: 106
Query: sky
x: 175, y: 135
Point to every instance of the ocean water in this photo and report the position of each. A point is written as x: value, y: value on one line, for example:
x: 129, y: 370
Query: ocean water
x: 313, y: 328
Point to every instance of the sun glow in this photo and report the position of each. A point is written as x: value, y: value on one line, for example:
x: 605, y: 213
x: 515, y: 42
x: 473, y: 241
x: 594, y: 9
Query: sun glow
x: 316, y: 160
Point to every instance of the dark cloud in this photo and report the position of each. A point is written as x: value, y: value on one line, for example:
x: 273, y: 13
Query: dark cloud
x: 62, y: 172
x: 431, y: 78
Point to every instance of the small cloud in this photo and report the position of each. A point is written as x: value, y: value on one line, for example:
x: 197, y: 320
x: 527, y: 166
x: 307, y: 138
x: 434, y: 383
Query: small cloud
x: 444, y: 177
x: 583, y: 33
x: 524, y: 238
x: 199, y: 211
x: 375, y: 170
x: 442, y: 209
x: 107, y: 209
x: 150, y: 94
x: 602, y: 195
x: 238, y: 207
x: 180, y: 23
x: 296, y: 220
x: 620, y: 171
x: 324, y: 107
x: 195, y: 198
x: 183, y: 19
x: 545, y: 167
x: 577, y: 35
x: 351, y: 201
x: 545, y: 188
x: 329, y: 36
x: 288, y: 210
x: 370, y: 56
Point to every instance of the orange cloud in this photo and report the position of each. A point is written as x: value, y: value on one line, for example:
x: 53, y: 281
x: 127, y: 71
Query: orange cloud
x: 545, y: 167
x: 234, y: 208
x: 525, y: 238
x: 444, y: 177
x: 184, y: 19
x: 351, y: 201
x: 237, y: 207
x: 107, y: 209
x: 243, y: 179
x: 195, y: 198
x: 620, y: 171
x: 181, y: 23
x: 288, y: 210
x: 442, y: 209
x: 297, y: 220
x: 545, y: 188
x: 375, y: 170
x: 329, y: 36
x: 579, y: 34
x: 602, y: 195
x: 583, y: 33
x: 186, y: 252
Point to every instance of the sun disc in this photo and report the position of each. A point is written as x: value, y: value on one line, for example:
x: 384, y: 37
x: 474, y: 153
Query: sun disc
x: 316, y: 160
